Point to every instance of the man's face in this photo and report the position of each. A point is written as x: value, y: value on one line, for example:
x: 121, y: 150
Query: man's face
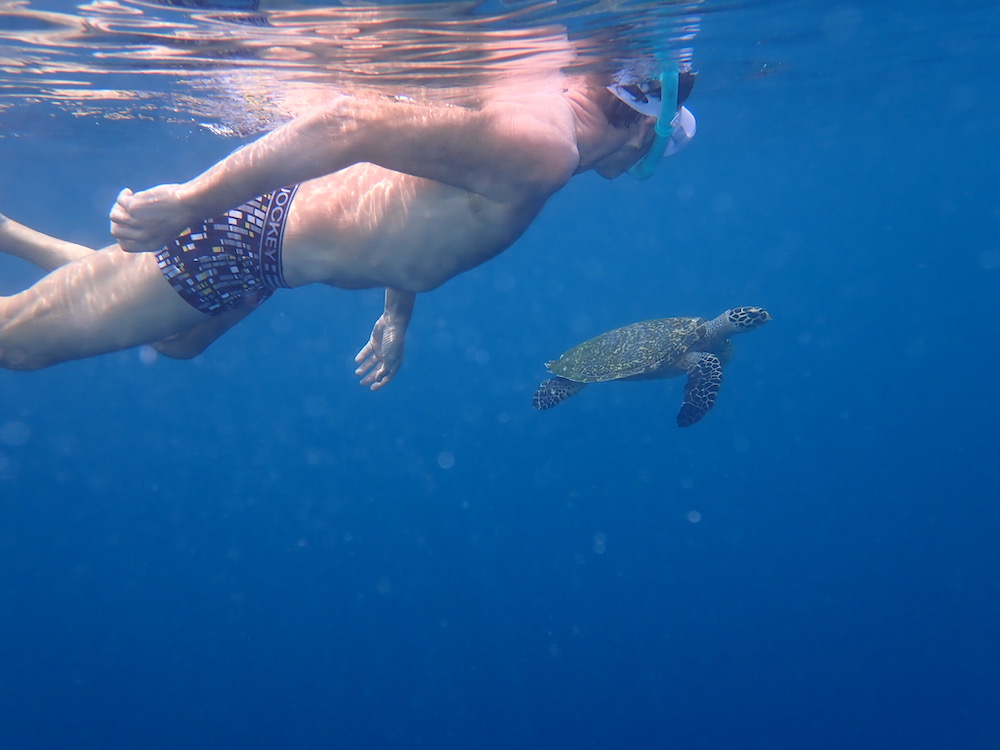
x: 618, y: 162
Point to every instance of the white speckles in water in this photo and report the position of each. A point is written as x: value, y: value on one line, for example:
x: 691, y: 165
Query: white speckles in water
x: 989, y: 260
x: 147, y: 355
x: 722, y: 203
x: 14, y: 434
x: 600, y: 543
x: 446, y: 459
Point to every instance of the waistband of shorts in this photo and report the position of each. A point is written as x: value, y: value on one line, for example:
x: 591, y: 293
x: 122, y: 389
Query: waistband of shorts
x: 272, y: 238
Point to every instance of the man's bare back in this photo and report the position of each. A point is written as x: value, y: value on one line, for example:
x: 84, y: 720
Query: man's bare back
x: 393, y: 194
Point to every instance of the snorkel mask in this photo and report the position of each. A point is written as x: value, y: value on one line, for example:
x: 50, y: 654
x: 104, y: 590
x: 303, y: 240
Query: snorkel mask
x: 645, y: 100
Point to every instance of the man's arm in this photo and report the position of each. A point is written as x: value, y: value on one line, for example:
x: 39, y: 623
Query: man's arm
x: 503, y: 151
x: 380, y: 359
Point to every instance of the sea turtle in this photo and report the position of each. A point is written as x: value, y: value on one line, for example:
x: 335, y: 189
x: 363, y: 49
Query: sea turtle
x: 652, y: 349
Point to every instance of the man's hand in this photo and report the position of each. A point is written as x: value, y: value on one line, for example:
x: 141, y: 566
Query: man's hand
x: 145, y: 222
x: 382, y: 356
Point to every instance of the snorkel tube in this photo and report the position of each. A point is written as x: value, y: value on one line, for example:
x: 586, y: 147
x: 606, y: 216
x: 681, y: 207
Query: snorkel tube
x: 663, y: 128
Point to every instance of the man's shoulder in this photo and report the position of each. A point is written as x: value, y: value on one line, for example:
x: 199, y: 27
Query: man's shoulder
x: 539, y: 135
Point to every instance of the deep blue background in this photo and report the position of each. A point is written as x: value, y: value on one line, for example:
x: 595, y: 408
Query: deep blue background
x: 251, y: 551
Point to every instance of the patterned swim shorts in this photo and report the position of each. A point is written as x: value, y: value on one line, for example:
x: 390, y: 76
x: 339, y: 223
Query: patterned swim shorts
x: 217, y: 263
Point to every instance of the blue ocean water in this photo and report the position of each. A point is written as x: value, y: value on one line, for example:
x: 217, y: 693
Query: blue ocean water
x: 251, y: 551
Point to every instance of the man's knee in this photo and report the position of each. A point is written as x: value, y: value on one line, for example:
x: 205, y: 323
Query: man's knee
x: 178, y: 349
x: 13, y: 358
x: 18, y: 351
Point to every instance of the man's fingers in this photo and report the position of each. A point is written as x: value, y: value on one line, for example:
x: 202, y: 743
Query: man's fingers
x: 385, y: 375
x: 377, y: 375
x: 128, y: 242
x: 368, y: 369
x: 374, y: 369
x: 381, y: 378
x: 122, y: 228
x: 364, y: 364
x: 120, y: 211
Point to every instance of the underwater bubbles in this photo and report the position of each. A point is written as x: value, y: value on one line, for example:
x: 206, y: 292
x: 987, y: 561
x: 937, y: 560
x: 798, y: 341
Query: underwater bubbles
x: 989, y: 260
x: 14, y: 434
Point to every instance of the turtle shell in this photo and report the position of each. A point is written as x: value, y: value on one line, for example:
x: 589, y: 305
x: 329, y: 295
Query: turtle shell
x: 650, y: 348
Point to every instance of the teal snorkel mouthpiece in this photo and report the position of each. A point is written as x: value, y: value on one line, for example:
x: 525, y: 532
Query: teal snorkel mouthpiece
x: 646, y: 166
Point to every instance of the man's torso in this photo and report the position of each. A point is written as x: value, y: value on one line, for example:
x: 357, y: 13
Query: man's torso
x: 370, y: 227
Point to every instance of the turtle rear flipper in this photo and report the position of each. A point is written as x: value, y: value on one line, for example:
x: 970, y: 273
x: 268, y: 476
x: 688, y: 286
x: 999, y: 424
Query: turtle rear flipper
x: 555, y: 390
x: 704, y: 378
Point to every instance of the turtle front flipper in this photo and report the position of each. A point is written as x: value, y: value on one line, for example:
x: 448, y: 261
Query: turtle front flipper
x: 704, y: 378
x: 554, y: 391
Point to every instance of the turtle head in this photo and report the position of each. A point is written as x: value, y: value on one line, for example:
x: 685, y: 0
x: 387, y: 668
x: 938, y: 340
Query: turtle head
x: 747, y: 318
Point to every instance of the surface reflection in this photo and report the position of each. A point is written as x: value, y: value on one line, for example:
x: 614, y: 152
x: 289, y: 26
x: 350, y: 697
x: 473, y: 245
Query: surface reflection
x: 243, y: 65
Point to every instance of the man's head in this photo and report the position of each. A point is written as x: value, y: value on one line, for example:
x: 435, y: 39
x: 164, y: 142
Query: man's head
x: 652, y: 108
x: 634, y: 98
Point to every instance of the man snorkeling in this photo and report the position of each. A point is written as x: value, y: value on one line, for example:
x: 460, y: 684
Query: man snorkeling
x: 357, y: 193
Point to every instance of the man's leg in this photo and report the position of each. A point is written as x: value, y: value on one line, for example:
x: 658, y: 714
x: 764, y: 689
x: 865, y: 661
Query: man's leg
x: 105, y: 301
x: 189, y: 344
x: 49, y: 253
